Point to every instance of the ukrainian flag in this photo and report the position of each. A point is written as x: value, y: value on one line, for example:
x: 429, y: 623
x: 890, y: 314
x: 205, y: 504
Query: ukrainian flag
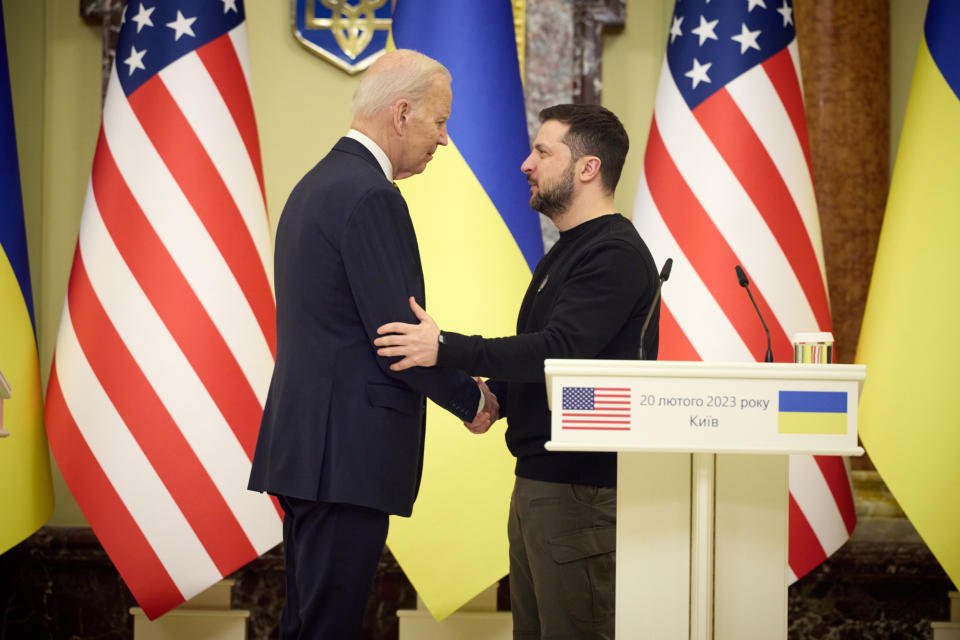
x: 909, y: 413
x: 812, y: 412
x: 26, y: 495
x: 479, y: 241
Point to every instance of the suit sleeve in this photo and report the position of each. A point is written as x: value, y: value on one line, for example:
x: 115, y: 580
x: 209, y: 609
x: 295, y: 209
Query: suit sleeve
x: 382, y: 263
x: 591, y: 307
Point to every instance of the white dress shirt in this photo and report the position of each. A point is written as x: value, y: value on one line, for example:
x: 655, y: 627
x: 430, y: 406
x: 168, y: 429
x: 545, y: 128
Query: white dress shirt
x: 375, y: 149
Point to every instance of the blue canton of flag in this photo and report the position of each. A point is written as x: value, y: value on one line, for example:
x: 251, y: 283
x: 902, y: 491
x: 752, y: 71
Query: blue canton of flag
x: 578, y: 398
x: 185, y: 26
x: 603, y: 408
x: 711, y: 44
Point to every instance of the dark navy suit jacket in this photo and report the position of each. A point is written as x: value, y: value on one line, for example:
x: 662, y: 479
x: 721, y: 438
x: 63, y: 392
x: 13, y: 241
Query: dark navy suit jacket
x: 338, y: 425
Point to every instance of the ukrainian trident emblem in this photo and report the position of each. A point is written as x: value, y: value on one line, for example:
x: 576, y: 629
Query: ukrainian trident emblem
x: 349, y: 33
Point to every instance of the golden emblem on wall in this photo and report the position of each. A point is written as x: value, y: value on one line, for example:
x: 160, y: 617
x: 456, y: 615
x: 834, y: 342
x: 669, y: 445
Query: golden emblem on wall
x: 349, y: 33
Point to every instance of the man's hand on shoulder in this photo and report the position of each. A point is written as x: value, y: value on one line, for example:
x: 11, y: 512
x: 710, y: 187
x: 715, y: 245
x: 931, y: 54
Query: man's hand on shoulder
x: 416, y: 344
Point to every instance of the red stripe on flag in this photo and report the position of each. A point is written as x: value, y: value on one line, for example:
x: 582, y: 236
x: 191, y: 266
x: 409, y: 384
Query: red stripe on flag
x: 201, y: 183
x: 805, y: 551
x: 783, y: 76
x: 835, y: 473
x: 112, y: 523
x: 161, y: 441
x: 223, y: 65
x: 170, y: 294
x: 707, y: 249
x: 746, y: 156
x: 674, y: 344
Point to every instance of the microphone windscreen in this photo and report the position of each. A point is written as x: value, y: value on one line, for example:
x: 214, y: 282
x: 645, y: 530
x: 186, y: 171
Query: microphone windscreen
x: 665, y: 272
x: 742, y: 277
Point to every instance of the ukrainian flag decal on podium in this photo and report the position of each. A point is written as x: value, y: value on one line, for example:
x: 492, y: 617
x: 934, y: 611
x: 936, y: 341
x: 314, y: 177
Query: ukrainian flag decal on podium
x: 813, y: 412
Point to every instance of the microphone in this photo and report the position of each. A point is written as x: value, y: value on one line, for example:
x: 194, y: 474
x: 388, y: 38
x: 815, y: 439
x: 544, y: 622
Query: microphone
x: 664, y: 275
x: 742, y: 279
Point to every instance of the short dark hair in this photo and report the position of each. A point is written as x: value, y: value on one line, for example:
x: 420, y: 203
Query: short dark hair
x: 594, y: 131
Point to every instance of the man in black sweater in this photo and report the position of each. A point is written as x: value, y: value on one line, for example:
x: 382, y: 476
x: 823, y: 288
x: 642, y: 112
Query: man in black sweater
x: 588, y: 299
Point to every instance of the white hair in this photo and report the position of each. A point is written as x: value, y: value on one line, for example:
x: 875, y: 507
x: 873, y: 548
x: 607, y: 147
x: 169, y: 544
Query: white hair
x: 403, y: 73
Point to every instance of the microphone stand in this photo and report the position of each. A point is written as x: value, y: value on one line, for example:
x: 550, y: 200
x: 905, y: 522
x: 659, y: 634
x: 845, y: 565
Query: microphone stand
x: 742, y: 279
x: 664, y: 275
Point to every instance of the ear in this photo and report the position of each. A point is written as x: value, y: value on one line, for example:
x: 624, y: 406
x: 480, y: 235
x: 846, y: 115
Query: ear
x: 400, y: 112
x: 590, y: 169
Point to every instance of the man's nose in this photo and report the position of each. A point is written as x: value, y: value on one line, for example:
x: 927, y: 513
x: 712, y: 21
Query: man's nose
x: 527, y: 166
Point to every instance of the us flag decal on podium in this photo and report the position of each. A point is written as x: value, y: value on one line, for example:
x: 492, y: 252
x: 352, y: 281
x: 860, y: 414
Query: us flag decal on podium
x: 727, y: 181
x: 167, y: 338
x: 596, y: 408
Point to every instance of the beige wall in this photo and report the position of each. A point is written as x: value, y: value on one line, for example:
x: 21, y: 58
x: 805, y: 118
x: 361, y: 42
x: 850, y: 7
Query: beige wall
x: 24, y: 34
x: 301, y: 104
x: 632, y: 57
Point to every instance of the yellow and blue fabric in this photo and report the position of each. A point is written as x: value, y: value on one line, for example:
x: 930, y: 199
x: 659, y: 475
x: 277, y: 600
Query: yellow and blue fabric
x: 479, y: 241
x: 26, y: 494
x: 812, y: 412
x: 909, y: 415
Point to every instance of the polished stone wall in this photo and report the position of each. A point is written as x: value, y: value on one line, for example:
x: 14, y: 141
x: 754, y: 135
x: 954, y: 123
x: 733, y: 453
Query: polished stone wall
x: 59, y: 585
x: 845, y: 56
x: 870, y: 590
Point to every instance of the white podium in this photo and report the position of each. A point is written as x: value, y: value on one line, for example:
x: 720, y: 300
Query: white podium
x: 702, y: 501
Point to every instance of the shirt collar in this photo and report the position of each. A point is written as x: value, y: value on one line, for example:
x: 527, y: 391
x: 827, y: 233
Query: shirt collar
x: 375, y: 149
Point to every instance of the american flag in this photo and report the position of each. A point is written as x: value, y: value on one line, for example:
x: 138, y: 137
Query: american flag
x: 596, y: 408
x: 726, y: 181
x: 167, y: 338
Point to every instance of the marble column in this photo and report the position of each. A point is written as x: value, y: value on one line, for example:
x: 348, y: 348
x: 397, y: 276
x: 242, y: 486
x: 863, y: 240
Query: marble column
x: 564, y: 51
x: 845, y: 56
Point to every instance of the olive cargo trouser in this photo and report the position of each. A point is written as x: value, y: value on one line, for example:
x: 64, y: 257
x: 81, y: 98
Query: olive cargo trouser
x: 562, y: 561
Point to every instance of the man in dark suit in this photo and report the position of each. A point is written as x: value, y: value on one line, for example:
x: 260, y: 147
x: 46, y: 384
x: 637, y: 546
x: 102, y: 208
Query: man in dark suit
x: 341, y: 441
x: 588, y: 298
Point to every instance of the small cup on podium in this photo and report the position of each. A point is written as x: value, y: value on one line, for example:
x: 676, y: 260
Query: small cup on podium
x: 813, y: 348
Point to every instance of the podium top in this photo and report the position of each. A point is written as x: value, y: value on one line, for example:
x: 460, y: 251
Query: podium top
x: 683, y: 369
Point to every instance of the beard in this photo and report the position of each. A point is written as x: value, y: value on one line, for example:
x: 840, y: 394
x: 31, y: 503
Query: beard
x: 553, y: 200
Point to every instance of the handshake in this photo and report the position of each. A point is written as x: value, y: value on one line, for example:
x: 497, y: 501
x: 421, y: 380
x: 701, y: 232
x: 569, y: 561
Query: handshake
x: 490, y: 412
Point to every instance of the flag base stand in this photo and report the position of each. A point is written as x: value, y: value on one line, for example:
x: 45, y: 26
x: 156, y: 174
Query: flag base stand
x: 949, y: 630
x: 206, y: 616
x: 4, y: 393
x: 476, y: 620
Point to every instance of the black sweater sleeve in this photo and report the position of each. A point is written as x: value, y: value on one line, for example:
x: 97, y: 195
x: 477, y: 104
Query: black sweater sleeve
x: 579, y: 318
